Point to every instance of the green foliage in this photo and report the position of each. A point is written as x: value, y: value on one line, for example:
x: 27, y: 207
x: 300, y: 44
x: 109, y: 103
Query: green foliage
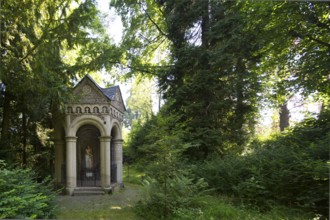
x: 159, y: 134
x: 174, y: 197
x: 139, y: 140
x: 220, y: 207
x: 171, y: 189
x: 224, y: 57
x: 23, y: 197
x: 298, y: 44
x: 208, y: 83
x: 132, y: 175
x: 213, y: 207
x: 290, y: 170
x: 211, y: 83
x: 139, y: 103
x: 45, y: 46
x: 144, y: 43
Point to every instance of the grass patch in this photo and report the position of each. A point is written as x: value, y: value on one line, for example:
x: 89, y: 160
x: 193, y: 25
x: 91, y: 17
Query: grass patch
x: 222, y: 208
x: 132, y: 175
x: 123, y: 214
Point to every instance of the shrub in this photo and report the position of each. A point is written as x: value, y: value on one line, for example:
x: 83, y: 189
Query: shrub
x: 291, y: 177
x: 175, y: 198
x: 23, y: 197
x: 290, y: 169
x: 171, y: 188
x: 221, y: 207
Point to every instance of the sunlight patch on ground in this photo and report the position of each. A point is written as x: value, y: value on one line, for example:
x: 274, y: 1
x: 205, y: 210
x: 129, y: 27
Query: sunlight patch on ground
x: 115, y: 208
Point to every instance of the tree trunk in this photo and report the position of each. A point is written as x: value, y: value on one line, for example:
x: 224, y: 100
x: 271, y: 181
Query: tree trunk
x: 24, y: 136
x: 284, y: 116
x: 240, y: 107
x: 5, y: 125
x: 205, y: 23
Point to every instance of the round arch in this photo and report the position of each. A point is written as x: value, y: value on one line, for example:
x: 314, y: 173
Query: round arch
x: 116, y: 153
x: 88, y: 156
x: 85, y: 120
x: 115, y: 132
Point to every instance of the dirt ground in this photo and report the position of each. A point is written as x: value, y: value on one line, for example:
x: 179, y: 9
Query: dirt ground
x: 118, y: 205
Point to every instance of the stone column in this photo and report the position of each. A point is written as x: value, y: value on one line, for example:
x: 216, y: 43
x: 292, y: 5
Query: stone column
x: 105, y: 162
x: 71, y: 164
x: 119, y: 159
x: 59, y: 160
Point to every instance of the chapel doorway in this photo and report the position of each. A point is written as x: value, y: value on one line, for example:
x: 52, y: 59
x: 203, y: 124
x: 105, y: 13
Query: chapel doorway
x: 88, y: 156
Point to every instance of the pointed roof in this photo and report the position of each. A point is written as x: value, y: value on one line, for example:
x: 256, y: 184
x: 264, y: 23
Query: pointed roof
x: 109, y: 93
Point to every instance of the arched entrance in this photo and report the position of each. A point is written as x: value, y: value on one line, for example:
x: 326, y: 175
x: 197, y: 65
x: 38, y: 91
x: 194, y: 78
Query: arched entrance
x: 116, y: 155
x: 88, y: 156
x: 113, y: 162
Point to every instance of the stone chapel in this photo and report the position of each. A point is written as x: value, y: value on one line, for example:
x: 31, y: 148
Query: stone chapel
x: 88, y: 139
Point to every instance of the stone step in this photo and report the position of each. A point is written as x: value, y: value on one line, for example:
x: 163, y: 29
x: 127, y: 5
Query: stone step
x: 88, y: 191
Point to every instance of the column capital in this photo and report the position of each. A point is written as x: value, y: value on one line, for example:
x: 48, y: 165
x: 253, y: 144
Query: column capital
x: 118, y: 141
x: 105, y: 138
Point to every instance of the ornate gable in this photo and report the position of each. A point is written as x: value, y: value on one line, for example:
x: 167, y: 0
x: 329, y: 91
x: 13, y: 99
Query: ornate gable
x: 88, y: 92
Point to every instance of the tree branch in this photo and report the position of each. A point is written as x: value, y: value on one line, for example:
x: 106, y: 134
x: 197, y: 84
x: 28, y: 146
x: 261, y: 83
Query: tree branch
x: 319, y: 41
x: 156, y: 25
x: 302, y: 36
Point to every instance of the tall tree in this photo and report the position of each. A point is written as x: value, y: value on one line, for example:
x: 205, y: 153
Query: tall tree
x: 222, y: 53
x: 211, y: 81
x: 298, y: 50
x: 36, y: 38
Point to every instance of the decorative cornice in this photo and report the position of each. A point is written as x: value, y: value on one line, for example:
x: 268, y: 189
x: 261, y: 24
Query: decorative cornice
x: 99, y: 110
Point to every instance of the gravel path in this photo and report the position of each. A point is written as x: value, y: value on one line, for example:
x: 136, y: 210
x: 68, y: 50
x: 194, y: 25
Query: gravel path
x: 116, y: 206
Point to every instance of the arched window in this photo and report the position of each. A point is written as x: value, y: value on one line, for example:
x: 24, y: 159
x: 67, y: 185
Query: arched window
x: 96, y: 110
x: 78, y: 110
x: 87, y: 110
x: 70, y: 110
x: 104, y: 109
